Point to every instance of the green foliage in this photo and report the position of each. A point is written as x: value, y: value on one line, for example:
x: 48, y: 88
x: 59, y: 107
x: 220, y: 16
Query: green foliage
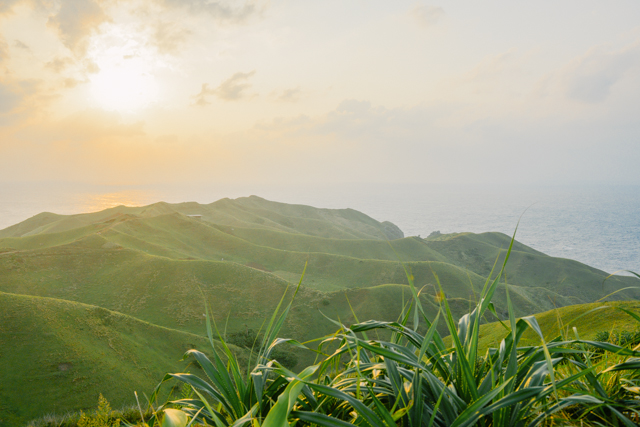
x: 415, y: 379
x: 622, y: 338
x: 186, y: 392
x: 250, y: 339
x: 103, y: 417
x: 247, y: 338
x: 128, y: 416
x: 229, y: 394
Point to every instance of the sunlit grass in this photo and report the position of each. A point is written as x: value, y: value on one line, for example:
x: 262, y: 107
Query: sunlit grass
x: 415, y: 379
x: 149, y: 262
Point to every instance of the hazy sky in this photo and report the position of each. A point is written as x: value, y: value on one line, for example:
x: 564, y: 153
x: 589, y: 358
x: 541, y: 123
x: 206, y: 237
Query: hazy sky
x: 147, y: 91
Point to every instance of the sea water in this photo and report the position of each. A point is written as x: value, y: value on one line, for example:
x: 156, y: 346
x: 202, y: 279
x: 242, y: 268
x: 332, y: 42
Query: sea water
x: 596, y: 225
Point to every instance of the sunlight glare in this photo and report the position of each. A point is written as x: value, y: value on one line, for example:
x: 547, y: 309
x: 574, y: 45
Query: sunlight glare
x: 125, y: 82
x: 124, y: 88
x: 95, y: 202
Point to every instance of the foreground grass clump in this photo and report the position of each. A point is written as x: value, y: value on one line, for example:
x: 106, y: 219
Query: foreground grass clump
x: 415, y: 379
x: 599, y: 321
x: 103, y: 416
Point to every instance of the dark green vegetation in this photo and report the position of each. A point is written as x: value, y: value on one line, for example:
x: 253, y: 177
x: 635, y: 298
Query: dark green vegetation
x: 154, y: 263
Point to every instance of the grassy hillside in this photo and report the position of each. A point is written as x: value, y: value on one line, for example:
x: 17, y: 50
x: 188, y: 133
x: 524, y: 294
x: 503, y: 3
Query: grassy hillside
x: 57, y: 356
x: 588, y: 319
x: 152, y: 263
x: 345, y: 263
x: 406, y: 249
x: 246, y: 211
x: 168, y: 292
x: 155, y: 263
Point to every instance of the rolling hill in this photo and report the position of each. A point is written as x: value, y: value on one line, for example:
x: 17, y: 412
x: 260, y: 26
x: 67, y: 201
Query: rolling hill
x: 587, y: 319
x: 57, y: 356
x: 154, y: 264
x: 164, y: 232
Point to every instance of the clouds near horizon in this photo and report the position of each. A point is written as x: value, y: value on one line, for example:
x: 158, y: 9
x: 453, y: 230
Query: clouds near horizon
x: 591, y: 77
x: 409, y: 91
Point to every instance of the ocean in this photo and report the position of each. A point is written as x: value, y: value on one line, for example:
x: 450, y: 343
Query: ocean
x: 596, y: 225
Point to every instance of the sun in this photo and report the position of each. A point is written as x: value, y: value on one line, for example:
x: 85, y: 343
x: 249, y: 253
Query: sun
x: 124, y: 88
x: 125, y: 81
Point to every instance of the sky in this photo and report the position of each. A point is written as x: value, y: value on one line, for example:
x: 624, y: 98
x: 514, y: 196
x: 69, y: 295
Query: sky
x: 139, y: 92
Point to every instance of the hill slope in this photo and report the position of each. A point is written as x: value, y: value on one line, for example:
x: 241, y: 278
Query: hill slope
x: 462, y: 261
x: 588, y: 319
x: 251, y: 211
x: 57, y: 356
x: 152, y: 261
x: 155, y: 263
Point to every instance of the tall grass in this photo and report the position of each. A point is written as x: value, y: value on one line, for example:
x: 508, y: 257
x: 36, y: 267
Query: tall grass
x: 414, y: 379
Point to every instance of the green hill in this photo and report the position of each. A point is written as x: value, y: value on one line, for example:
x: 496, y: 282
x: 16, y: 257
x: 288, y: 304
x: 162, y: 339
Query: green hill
x: 155, y: 263
x: 152, y: 261
x: 588, y: 319
x: 57, y: 356
x: 461, y: 261
x: 168, y: 292
x: 246, y: 211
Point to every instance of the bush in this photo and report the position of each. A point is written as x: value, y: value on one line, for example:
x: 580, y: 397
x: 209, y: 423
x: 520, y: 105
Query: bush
x: 104, y: 416
x: 623, y: 339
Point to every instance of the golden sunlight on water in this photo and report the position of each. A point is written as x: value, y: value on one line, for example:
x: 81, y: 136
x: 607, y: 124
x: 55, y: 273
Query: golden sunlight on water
x: 94, y: 202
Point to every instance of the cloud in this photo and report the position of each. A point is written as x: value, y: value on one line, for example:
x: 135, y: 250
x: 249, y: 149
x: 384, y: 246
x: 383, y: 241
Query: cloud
x: 591, y: 77
x: 70, y: 82
x: 362, y: 122
x: 220, y: 10
x: 169, y: 37
x: 4, y: 50
x: 353, y: 107
x: 9, y: 99
x: 232, y: 89
x: 289, y: 95
x: 76, y: 20
x: 20, y: 99
x: 90, y: 66
x: 435, y: 143
x: 58, y: 64
x: 355, y: 141
x: 426, y: 16
x: 201, y: 98
x: 491, y: 66
x: 21, y: 45
x: 356, y: 122
x: 498, y: 76
x: 6, y: 6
